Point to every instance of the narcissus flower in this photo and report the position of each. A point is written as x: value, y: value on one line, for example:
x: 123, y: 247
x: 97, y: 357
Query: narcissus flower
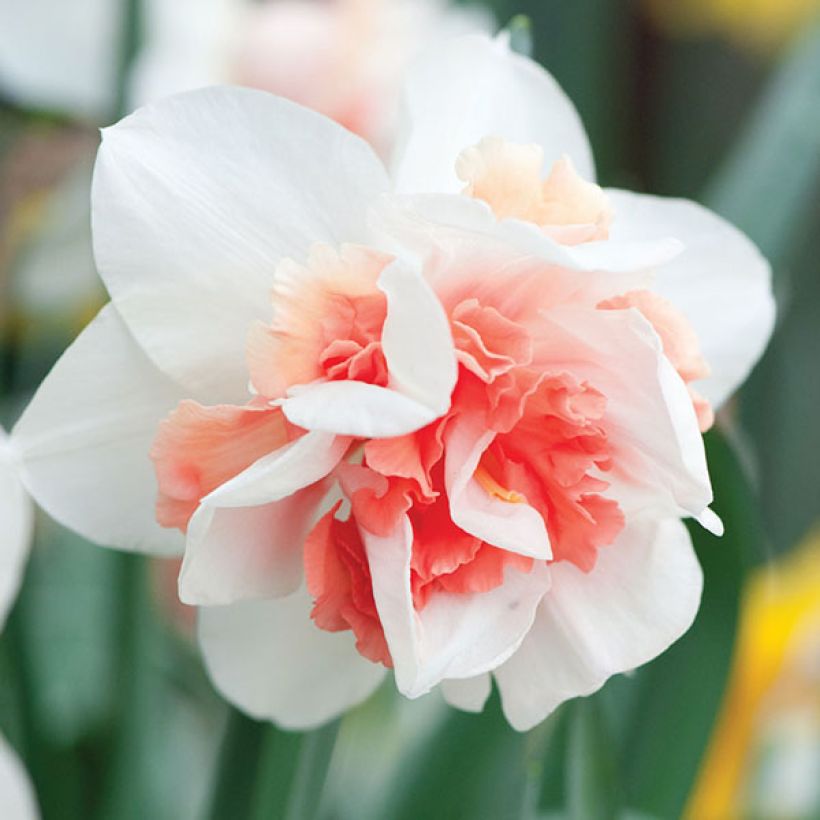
x: 444, y: 422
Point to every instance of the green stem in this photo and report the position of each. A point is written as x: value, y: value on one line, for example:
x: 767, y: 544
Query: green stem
x: 311, y: 772
x: 237, y: 767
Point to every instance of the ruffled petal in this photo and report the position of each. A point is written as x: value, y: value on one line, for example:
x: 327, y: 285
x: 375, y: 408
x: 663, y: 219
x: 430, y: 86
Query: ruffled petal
x: 641, y: 597
x: 269, y: 659
x: 474, y: 87
x: 196, y: 199
x: 720, y: 282
x: 85, y: 437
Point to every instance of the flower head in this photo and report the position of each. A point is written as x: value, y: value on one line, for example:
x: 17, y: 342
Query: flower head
x: 444, y: 423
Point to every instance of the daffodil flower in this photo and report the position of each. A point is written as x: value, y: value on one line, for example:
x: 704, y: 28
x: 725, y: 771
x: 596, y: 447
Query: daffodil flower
x: 443, y: 421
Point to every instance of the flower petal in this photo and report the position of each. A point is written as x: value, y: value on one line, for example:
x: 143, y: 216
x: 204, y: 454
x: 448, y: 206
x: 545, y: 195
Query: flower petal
x: 657, y: 448
x: 16, y: 515
x: 473, y: 87
x: 720, y: 282
x: 17, y: 800
x: 244, y: 553
x: 351, y: 408
x: 468, y: 694
x: 84, y: 439
x: 196, y: 198
x: 417, y: 342
x: 273, y: 662
x: 514, y: 527
x: 455, y: 635
x: 245, y: 539
x: 277, y: 475
x: 641, y: 596
x: 446, y: 221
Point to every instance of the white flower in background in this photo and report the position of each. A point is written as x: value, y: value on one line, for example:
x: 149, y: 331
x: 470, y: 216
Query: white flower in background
x: 444, y: 421
x: 343, y: 58
x: 61, y: 56
x: 17, y: 800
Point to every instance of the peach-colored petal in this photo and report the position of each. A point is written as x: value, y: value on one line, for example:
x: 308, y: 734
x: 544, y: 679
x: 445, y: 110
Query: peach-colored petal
x: 338, y: 578
x: 330, y: 300
x: 488, y: 343
x: 198, y: 448
x: 507, y: 176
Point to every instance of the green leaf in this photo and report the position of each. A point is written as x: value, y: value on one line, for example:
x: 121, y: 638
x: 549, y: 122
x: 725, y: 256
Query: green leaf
x: 591, y: 782
x: 679, y: 694
x: 238, y: 768
x: 766, y: 184
x: 473, y: 766
x: 70, y: 638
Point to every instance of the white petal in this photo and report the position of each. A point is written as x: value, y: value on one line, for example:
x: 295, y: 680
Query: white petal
x: 641, y: 596
x: 243, y: 553
x: 269, y: 659
x: 422, y: 222
x: 454, y: 636
x: 61, y: 56
x: 245, y: 539
x: 514, y: 527
x: 17, y: 519
x: 720, y: 282
x: 85, y: 436
x: 17, y: 800
x: 279, y: 474
x: 416, y: 339
x: 473, y: 87
x: 195, y: 200
x: 657, y: 448
x: 351, y: 408
x: 469, y: 694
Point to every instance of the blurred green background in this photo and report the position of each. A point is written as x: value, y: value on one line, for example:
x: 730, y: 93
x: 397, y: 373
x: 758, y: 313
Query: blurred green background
x: 101, y: 688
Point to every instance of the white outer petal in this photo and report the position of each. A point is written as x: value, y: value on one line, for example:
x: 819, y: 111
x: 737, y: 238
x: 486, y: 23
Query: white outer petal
x: 16, y: 515
x: 454, y: 636
x: 270, y: 660
x: 473, y: 87
x: 467, y: 694
x: 197, y: 198
x: 720, y: 282
x: 17, y: 799
x: 642, y: 595
x: 84, y: 439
